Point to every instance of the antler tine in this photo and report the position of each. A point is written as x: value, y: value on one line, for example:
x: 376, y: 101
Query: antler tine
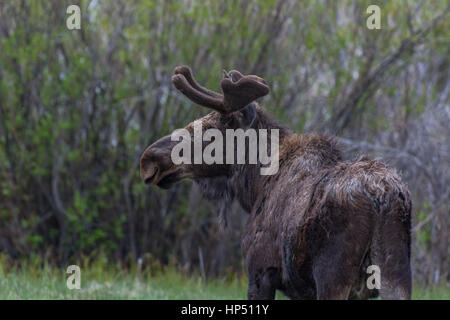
x: 197, y: 96
x: 239, y: 90
x: 187, y: 73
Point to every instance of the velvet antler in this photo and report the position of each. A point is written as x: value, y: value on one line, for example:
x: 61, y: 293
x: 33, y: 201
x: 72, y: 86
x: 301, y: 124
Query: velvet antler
x: 238, y: 90
x: 187, y: 73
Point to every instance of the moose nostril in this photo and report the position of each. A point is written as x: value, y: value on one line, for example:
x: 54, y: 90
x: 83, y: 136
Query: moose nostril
x: 150, y: 179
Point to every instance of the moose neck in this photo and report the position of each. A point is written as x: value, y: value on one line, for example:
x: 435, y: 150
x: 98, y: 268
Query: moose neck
x: 246, y: 179
x: 304, y: 153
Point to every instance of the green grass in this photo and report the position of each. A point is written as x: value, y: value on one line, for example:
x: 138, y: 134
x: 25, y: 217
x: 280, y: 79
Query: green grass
x: 431, y: 293
x: 51, y: 284
x: 97, y: 283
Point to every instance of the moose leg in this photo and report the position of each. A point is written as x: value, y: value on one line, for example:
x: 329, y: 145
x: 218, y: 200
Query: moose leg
x: 333, y: 280
x: 337, y: 266
x: 391, y: 253
x: 262, y: 284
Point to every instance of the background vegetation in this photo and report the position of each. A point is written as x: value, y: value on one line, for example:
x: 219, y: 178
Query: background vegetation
x: 77, y: 108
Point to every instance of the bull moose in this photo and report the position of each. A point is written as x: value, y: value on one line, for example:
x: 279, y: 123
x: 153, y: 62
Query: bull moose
x: 316, y: 225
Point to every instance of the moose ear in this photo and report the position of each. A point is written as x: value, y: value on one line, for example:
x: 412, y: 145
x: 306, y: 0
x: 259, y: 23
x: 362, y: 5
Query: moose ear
x: 249, y: 116
x: 239, y: 90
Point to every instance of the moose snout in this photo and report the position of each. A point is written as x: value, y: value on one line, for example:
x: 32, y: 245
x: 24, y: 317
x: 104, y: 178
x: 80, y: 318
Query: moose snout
x: 155, y: 162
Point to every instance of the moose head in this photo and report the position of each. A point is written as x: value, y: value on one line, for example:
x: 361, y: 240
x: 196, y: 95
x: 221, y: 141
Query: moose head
x: 233, y: 109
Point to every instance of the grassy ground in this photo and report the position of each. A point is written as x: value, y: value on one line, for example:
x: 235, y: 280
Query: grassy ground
x: 49, y: 283
x: 170, y: 285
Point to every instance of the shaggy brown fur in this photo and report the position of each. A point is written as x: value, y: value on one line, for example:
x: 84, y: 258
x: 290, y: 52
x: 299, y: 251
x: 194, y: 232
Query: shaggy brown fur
x: 316, y: 225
